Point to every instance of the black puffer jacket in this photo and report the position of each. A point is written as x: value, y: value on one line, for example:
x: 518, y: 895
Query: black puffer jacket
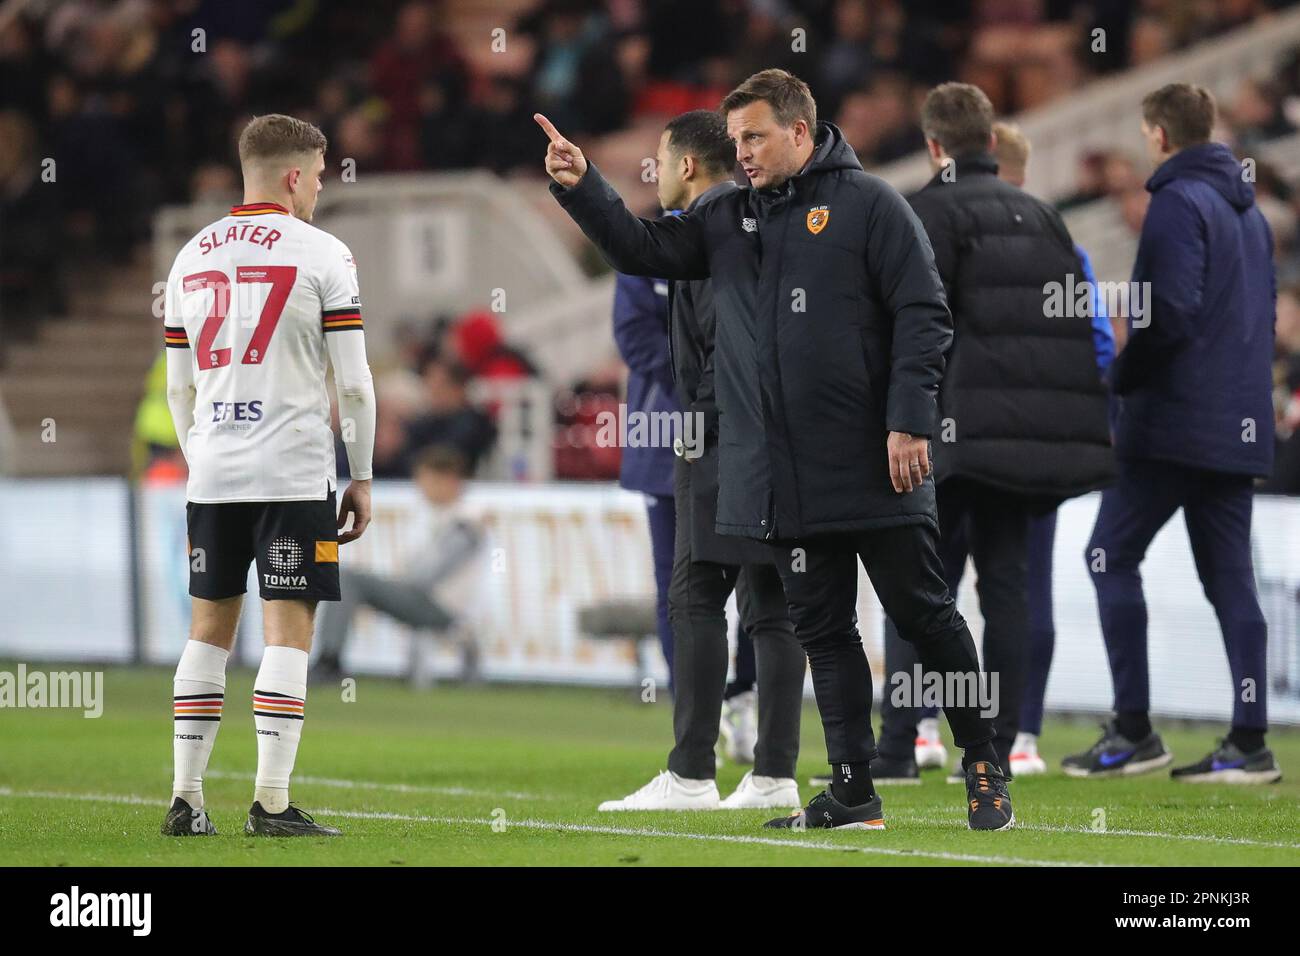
x: 831, y: 331
x: 1023, y: 408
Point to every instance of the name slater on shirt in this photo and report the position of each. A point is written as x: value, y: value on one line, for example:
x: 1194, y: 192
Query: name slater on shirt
x: 248, y: 232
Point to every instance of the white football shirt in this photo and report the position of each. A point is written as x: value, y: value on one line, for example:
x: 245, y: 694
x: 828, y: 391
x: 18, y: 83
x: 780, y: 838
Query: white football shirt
x: 253, y: 298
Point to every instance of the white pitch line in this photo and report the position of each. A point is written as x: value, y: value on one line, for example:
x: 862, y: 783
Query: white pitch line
x: 718, y: 838
x: 127, y: 798
x: 390, y: 787
x: 1088, y: 831
x: 797, y: 844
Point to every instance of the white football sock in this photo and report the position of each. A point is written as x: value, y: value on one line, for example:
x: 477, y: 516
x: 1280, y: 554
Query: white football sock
x: 198, y: 692
x: 279, y: 698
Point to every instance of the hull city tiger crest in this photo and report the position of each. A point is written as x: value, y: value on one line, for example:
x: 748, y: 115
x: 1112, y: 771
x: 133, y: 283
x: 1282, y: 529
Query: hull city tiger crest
x: 818, y: 216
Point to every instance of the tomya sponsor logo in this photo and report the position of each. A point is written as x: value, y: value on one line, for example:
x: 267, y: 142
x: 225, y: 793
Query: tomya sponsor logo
x: 683, y: 432
x: 78, y: 909
x: 285, y: 558
x: 77, y: 690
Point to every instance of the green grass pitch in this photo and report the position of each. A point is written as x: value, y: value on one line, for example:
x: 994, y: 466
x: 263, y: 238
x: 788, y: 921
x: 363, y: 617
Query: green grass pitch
x: 499, y: 775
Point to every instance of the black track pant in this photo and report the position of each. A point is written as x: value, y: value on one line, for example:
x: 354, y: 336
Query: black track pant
x: 820, y: 575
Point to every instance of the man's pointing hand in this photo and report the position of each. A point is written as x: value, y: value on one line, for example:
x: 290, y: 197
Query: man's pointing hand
x: 564, y: 161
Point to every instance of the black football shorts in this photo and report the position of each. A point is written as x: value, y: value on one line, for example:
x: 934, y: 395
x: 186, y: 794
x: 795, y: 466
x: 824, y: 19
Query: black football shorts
x: 295, y: 545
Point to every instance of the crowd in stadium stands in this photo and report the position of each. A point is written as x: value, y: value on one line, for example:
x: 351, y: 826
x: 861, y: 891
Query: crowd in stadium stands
x: 141, y: 111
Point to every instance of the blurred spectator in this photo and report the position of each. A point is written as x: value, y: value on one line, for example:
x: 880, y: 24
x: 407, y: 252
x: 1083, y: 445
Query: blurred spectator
x: 24, y: 64
x: 216, y: 182
x: 439, y: 585
x: 878, y: 123
x: 1088, y: 183
x: 118, y: 93
x: 765, y: 41
x: 476, y: 343
x: 849, y: 59
x: 1285, y: 479
x: 155, y: 431
x: 579, y: 411
x: 398, y: 398
x: 29, y: 231
x: 1151, y: 39
x: 574, y: 75
x: 1256, y: 114
x: 500, y: 131
x: 416, y: 55
x: 360, y: 139
x: 450, y: 420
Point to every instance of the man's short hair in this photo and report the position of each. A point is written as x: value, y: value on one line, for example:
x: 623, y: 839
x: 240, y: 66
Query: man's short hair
x: 703, y: 135
x: 789, y: 97
x: 276, y: 136
x: 959, y: 117
x: 1012, y: 146
x: 441, y: 459
x: 1185, y: 112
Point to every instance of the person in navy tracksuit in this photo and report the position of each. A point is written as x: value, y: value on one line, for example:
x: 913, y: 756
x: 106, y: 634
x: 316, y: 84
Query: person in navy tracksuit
x: 1193, y: 429
x: 644, y: 347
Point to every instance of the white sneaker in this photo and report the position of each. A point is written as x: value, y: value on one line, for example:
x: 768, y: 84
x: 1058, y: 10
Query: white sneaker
x: 930, y: 751
x: 739, y: 727
x: 763, y: 793
x: 667, y: 791
x: 1025, y: 761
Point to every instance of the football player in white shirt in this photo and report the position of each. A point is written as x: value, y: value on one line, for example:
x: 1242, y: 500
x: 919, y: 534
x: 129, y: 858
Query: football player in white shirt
x: 255, y: 304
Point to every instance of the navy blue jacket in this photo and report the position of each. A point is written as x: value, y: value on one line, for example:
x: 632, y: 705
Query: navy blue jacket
x: 641, y: 333
x: 1195, y: 384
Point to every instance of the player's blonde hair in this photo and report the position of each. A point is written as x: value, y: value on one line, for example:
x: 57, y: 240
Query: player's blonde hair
x: 1012, y: 147
x: 276, y: 136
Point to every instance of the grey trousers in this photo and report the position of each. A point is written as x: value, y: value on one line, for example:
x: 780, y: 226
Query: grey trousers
x: 406, y: 601
x: 697, y: 601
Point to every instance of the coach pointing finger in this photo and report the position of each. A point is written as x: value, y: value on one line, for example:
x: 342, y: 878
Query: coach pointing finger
x: 831, y: 329
x: 564, y: 161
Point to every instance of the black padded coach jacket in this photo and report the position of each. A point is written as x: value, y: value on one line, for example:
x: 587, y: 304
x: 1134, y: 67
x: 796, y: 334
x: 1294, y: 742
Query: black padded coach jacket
x: 831, y: 332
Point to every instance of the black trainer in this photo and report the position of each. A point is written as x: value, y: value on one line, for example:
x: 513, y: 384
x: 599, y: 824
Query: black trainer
x: 824, y: 812
x: 1114, y: 755
x: 183, y: 820
x: 988, y: 800
x: 958, y: 773
x: 889, y: 770
x: 1229, y: 764
x: 291, y: 823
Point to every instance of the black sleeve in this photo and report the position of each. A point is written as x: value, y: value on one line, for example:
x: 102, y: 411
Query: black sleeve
x: 705, y: 399
x: 902, y: 267
x: 942, y: 233
x: 669, y: 248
